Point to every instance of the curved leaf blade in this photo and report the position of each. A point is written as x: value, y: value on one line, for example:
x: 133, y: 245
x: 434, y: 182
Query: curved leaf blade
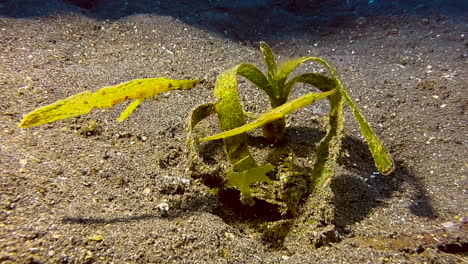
x: 382, y: 158
x: 199, y: 113
x: 269, y: 59
x: 272, y: 67
x: 255, y: 76
x: 195, y: 161
x: 320, y: 81
x: 231, y: 115
x: 329, y: 147
x: 273, y: 114
x: 285, y: 69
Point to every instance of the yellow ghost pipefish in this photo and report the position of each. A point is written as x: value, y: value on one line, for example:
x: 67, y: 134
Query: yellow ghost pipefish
x: 83, y: 103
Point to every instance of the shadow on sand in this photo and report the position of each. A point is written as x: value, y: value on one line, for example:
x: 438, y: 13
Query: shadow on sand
x: 355, y: 195
x: 245, y: 20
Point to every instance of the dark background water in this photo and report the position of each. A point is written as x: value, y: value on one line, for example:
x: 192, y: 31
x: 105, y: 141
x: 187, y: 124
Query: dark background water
x: 246, y: 19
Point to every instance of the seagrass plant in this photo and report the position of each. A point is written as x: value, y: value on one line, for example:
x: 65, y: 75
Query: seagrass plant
x: 277, y: 85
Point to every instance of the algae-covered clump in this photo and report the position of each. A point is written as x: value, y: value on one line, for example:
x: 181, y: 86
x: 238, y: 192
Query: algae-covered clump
x: 277, y: 85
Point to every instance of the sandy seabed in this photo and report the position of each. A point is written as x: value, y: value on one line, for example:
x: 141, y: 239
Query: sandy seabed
x: 90, y: 190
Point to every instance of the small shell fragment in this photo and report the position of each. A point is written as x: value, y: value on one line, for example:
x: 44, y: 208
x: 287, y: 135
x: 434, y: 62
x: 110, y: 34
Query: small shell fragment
x: 163, y: 207
x: 449, y: 224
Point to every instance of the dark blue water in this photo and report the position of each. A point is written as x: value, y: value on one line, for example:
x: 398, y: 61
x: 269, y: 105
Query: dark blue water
x: 246, y: 19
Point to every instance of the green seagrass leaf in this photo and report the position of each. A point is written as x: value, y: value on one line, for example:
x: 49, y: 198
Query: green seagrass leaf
x: 329, y: 147
x: 382, y: 159
x: 195, y: 160
x: 285, y: 69
x: 199, y: 113
x: 272, y: 68
x: 255, y: 76
x: 231, y: 115
x: 320, y: 81
x: 272, y: 115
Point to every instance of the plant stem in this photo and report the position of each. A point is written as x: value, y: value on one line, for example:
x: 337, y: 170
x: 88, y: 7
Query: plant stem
x: 275, y: 132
